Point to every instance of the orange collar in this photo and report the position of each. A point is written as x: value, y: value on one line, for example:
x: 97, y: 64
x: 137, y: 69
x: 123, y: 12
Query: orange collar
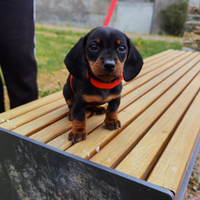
x: 101, y: 85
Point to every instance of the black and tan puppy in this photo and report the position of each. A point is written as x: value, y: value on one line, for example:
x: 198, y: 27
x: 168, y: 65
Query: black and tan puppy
x: 97, y: 64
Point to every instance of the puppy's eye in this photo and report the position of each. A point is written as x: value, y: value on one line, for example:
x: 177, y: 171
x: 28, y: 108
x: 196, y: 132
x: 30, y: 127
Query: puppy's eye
x: 93, y: 47
x: 122, y: 48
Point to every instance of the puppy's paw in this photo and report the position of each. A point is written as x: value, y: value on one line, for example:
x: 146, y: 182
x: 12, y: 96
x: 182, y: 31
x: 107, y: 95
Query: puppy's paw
x: 77, y: 137
x: 112, y: 124
x: 97, y: 109
x: 78, y: 132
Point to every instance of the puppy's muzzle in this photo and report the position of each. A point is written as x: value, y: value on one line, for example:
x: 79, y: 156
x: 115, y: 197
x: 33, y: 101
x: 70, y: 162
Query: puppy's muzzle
x: 109, y: 65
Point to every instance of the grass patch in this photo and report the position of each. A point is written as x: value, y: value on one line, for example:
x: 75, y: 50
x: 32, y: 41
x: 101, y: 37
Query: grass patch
x: 51, y: 51
x: 149, y: 48
x: 43, y: 93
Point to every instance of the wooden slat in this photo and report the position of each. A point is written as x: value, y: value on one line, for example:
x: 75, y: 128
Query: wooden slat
x: 58, y: 143
x: 160, y: 63
x: 29, y: 106
x: 147, y: 77
x: 27, y: 117
x: 49, y: 132
x: 34, y: 125
x: 62, y: 141
x: 102, y: 136
x: 140, y: 80
x: 53, y: 130
x: 140, y: 160
x: 157, y: 80
x: 178, y: 151
x: 161, y: 58
x: 154, y: 57
x: 154, y: 66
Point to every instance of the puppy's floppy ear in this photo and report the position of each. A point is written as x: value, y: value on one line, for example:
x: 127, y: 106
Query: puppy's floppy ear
x: 133, y: 63
x: 75, y: 60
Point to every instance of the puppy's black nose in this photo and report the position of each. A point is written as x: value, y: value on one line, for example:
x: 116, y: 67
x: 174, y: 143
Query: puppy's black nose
x: 109, y: 65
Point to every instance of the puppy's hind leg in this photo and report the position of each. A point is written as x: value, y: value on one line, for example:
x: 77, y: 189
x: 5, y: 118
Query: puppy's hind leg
x: 70, y: 104
x: 99, y: 110
x: 69, y: 98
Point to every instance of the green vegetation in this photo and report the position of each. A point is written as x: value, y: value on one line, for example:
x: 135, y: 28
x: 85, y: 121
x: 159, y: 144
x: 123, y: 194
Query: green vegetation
x: 174, y: 17
x: 51, y: 51
x: 195, y: 182
x: 43, y: 93
x: 150, y: 47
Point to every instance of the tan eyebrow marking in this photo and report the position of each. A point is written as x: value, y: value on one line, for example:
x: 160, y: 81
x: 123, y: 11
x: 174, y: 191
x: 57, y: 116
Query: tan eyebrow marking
x: 118, y: 42
x: 98, y: 40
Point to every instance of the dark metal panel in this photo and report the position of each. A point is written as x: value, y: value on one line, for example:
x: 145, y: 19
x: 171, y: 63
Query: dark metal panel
x: 32, y: 170
x: 189, y: 170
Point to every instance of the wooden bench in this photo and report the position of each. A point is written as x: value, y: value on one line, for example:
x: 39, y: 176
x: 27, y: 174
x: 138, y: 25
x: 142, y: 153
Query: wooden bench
x: 150, y: 157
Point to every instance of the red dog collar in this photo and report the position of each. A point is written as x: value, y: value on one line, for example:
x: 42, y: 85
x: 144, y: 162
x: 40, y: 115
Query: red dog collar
x: 99, y: 84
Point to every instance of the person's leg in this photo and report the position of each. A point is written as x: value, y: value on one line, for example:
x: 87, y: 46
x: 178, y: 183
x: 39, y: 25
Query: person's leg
x: 17, y: 51
x: 19, y: 70
x: 2, y: 108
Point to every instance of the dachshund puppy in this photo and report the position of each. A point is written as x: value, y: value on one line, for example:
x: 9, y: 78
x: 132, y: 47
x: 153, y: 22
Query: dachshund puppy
x: 97, y: 64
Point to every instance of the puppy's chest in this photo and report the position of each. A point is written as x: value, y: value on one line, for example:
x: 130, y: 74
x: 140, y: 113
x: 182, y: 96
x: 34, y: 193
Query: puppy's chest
x: 99, y: 98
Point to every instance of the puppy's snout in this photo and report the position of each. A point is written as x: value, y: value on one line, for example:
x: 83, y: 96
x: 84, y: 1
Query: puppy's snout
x: 109, y: 65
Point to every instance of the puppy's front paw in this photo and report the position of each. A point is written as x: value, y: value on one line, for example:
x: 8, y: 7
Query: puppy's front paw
x: 111, y: 120
x: 77, y: 137
x: 78, y: 132
x: 112, y: 124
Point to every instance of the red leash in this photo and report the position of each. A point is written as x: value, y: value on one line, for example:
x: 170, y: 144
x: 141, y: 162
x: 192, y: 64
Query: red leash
x: 110, y: 11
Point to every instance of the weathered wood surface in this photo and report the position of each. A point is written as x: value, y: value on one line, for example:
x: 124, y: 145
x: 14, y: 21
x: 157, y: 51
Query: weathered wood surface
x: 160, y: 122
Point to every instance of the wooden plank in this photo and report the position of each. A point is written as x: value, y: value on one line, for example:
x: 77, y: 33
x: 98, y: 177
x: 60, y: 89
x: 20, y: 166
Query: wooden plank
x: 147, y: 77
x: 139, y: 161
x: 154, y: 57
x: 27, y: 117
x: 10, y: 114
x: 37, y: 124
x: 62, y: 142
x: 155, y: 66
x: 178, y: 152
x: 96, y: 121
x: 153, y: 62
x: 101, y: 136
x: 53, y: 130
x: 146, y: 70
x: 157, y: 80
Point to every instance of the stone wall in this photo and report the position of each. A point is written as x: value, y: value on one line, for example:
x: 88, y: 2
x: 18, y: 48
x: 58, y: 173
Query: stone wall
x: 127, y: 16
x: 191, y: 37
